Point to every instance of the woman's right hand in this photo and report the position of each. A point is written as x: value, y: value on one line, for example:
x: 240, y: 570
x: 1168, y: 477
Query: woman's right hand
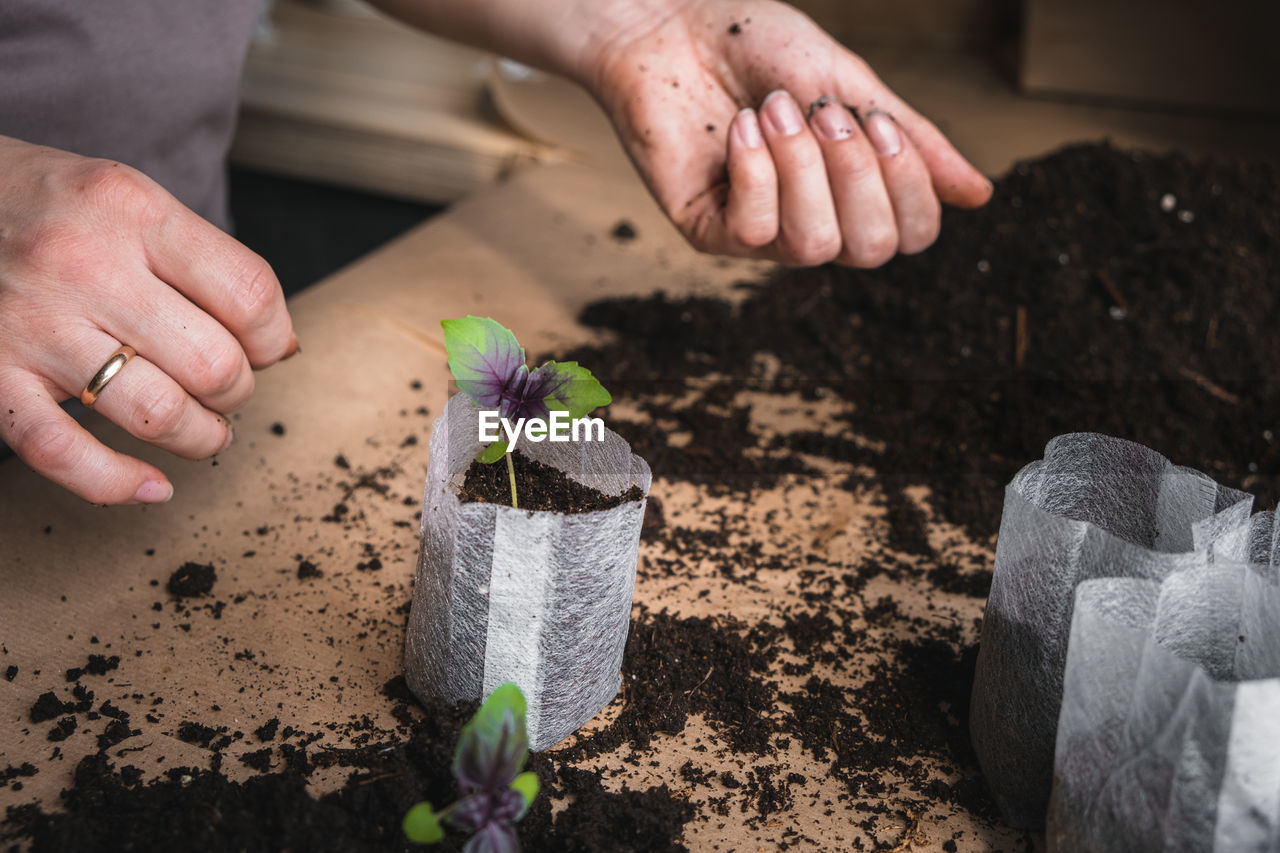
x: 95, y: 255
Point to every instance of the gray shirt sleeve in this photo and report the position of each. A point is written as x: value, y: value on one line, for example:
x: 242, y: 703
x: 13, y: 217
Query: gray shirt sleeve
x: 150, y: 83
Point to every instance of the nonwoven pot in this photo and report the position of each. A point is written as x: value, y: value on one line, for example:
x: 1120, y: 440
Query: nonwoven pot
x: 539, y: 598
x: 1169, y: 734
x: 1130, y: 655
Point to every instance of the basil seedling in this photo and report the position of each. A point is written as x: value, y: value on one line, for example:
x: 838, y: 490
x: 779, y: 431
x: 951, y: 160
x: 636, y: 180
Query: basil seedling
x: 487, y: 765
x: 489, y: 366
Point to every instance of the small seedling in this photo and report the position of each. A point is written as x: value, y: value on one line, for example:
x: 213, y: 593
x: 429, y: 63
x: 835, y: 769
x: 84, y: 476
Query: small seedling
x: 489, y: 366
x: 487, y: 765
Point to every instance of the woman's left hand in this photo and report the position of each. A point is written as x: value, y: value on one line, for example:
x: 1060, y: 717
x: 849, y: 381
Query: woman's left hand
x: 761, y: 136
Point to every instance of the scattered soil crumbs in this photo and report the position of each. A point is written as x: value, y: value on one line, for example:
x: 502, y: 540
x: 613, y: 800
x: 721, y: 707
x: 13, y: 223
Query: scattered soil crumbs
x: 191, y: 580
x: 267, y: 731
x: 97, y: 665
x: 47, y: 707
x: 538, y: 487
x: 307, y: 570
x: 829, y: 456
x: 624, y: 231
x: 111, y: 808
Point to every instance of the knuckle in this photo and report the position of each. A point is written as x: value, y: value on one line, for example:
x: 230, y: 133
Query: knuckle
x: 697, y: 228
x: 215, y: 370
x: 160, y: 413
x: 874, y: 249
x: 49, y: 243
x: 814, y: 249
x: 115, y: 186
x: 800, y: 162
x: 920, y: 235
x: 46, y: 445
x: 243, y: 391
x: 857, y: 169
x: 860, y: 66
x: 753, y: 174
x: 754, y: 232
x: 255, y: 292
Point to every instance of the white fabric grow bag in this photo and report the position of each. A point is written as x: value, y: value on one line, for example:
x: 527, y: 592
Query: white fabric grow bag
x: 542, y: 599
x: 1169, y: 736
x: 1172, y: 570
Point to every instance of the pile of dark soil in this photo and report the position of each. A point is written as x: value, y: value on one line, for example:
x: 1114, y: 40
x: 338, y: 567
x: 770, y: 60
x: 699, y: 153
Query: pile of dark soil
x: 538, y: 487
x: 1100, y: 290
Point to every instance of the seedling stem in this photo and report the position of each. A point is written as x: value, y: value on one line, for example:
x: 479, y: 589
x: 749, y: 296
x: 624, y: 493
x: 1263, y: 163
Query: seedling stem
x: 511, y: 473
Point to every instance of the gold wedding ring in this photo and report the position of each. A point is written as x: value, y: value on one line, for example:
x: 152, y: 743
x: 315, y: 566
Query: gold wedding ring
x: 105, y: 374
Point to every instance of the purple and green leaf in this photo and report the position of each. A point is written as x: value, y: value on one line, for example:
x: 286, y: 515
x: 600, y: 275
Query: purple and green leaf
x: 527, y: 786
x: 489, y: 366
x: 487, y: 362
x: 477, y: 810
x: 491, y: 753
x: 494, y: 744
x: 567, y: 386
x: 494, y: 838
x: 493, y: 452
x: 421, y: 825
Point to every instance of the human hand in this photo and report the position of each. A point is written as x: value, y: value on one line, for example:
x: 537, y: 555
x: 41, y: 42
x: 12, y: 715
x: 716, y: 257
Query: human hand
x: 734, y: 112
x: 93, y: 255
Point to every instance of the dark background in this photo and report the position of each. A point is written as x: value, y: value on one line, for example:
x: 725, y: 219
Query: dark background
x: 307, y: 231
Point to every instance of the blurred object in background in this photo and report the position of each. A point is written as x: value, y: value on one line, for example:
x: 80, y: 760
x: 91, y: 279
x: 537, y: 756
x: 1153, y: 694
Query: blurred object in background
x: 342, y: 95
x: 308, y: 230
x: 1219, y: 57
x: 946, y: 24
x: 344, y: 7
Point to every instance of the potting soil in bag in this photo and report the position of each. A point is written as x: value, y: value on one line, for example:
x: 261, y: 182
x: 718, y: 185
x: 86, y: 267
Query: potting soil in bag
x: 542, y: 599
x: 1094, y: 507
x: 1169, y: 736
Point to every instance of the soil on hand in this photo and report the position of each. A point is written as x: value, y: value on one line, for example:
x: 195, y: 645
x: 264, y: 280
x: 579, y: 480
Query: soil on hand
x: 539, y: 487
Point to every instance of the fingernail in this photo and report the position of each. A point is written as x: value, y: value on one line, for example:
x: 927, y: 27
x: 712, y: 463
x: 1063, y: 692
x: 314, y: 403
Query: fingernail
x: 830, y: 120
x: 231, y: 436
x: 883, y: 133
x: 294, y: 348
x: 747, y: 129
x: 153, y: 492
x: 782, y: 114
